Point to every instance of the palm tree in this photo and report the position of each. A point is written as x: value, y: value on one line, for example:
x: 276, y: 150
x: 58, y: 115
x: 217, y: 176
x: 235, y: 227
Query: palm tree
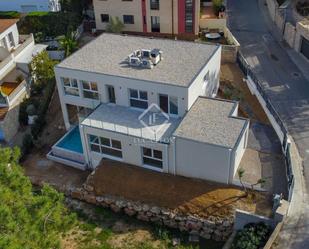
x: 241, y: 173
x: 69, y: 43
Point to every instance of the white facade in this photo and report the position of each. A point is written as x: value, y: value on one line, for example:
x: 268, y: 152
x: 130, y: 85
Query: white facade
x: 115, y: 139
x: 29, y: 5
x: 16, y: 52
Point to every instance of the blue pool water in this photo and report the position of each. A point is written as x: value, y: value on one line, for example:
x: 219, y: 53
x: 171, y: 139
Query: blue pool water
x: 72, y: 141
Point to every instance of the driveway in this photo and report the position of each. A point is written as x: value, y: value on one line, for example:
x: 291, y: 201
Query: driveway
x: 284, y: 83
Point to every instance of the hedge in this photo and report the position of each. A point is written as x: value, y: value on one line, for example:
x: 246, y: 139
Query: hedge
x: 9, y: 15
x: 50, y: 24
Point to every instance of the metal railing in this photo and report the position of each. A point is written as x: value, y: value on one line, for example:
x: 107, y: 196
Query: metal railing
x: 247, y: 70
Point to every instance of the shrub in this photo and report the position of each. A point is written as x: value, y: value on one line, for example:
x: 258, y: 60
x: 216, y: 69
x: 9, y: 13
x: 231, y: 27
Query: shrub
x: 217, y: 4
x: 40, y: 122
x: 9, y: 15
x: 29, y: 219
x: 51, y: 24
x: 115, y: 25
x: 253, y: 236
x: 27, y: 145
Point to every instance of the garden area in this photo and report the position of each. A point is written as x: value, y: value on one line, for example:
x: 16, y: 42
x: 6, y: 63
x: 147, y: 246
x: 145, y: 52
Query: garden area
x: 40, y: 217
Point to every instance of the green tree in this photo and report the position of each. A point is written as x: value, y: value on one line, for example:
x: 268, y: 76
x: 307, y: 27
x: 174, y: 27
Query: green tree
x: 28, y: 219
x: 115, y: 25
x: 42, y: 69
x: 69, y: 43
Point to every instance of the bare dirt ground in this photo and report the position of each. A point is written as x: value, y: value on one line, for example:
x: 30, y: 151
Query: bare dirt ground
x: 231, y: 75
x: 186, y: 195
x: 39, y: 168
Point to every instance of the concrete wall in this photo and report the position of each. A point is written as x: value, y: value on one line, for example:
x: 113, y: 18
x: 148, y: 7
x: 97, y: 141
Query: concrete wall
x: 239, y: 151
x: 201, y: 160
x: 302, y: 31
x: 272, y: 6
x: 213, y: 23
x: 37, y: 5
x: 131, y: 148
x: 289, y: 34
x: 196, y: 88
x: 10, y: 124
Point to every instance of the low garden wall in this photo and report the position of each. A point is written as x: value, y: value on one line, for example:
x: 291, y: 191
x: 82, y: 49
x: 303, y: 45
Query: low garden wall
x: 214, y: 228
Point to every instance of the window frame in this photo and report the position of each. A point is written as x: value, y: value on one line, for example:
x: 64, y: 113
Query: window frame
x: 70, y: 87
x: 109, y: 147
x: 126, y: 22
x: 169, y: 104
x: 90, y: 90
x: 138, y: 98
x: 154, y: 4
x: 106, y: 15
x: 153, y: 158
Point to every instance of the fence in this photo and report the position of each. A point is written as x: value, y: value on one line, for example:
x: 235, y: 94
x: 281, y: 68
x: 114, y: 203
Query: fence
x: 273, y: 114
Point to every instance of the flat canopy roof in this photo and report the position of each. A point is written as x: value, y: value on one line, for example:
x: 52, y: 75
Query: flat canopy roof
x: 6, y: 23
x: 210, y: 121
x: 182, y: 60
x: 128, y: 121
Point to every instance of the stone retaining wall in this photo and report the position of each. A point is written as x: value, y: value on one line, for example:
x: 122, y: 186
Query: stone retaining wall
x: 214, y: 228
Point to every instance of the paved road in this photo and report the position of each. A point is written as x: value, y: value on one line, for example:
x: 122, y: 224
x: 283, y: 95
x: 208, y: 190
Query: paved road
x: 286, y: 86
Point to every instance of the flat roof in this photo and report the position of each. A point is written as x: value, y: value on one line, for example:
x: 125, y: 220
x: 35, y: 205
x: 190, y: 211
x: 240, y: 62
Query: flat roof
x: 210, y: 121
x: 182, y: 60
x: 127, y: 121
x: 6, y: 23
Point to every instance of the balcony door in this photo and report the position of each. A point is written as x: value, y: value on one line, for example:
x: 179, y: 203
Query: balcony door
x: 111, y: 94
x: 155, y: 24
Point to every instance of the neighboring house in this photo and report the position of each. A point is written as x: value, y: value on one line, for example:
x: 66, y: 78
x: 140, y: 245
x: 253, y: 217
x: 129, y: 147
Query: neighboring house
x: 16, y: 52
x: 175, y: 17
x: 29, y: 5
x: 161, y: 117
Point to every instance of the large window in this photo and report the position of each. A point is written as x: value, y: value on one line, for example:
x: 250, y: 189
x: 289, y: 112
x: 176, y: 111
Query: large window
x: 138, y: 99
x: 154, y: 4
x: 152, y: 157
x: 128, y: 19
x: 168, y: 104
x: 70, y: 86
x: 189, y: 16
x: 90, y: 90
x: 106, y: 146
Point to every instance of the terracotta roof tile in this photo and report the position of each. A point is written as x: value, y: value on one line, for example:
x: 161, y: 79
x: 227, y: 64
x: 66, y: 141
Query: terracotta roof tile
x: 6, y: 23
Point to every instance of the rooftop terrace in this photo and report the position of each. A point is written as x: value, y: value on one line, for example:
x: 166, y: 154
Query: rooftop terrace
x: 127, y: 121
x: 182, y: 60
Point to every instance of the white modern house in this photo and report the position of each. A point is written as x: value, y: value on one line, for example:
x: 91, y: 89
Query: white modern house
x: 150, y: 103
x: 16, y: 52
x: 30, y: 5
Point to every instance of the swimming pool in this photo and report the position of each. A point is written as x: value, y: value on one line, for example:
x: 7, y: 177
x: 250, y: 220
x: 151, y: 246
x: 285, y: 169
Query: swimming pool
x: 72, y: 141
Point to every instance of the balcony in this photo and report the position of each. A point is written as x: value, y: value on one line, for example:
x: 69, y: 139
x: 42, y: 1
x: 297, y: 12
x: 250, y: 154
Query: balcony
x: 24, y: 41
x: 12, y: 87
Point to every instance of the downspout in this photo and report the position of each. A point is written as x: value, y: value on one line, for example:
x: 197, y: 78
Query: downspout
x: 230, y: 161
x: 173, y: 17
x: 174, y: 155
